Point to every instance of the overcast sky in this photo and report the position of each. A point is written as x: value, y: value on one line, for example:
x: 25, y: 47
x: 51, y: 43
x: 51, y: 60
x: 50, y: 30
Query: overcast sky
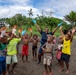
x: 9, y: 8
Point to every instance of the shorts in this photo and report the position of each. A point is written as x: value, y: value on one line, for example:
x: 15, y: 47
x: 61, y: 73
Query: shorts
x: 11, y: 59
x: 34, y: 48
x: 25, y: 50
x: 65, y: 57
x: 2, y: 66
x: 40, y: 50
x: 47, y: 60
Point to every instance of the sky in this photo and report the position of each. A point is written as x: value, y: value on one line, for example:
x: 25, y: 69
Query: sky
x: 60, y: 8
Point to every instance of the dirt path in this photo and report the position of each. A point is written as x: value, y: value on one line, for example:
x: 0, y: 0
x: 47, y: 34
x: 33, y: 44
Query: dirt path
x: 32, y: 68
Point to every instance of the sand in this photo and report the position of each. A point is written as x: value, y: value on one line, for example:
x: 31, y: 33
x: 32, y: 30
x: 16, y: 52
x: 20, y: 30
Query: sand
x: 32, y: 68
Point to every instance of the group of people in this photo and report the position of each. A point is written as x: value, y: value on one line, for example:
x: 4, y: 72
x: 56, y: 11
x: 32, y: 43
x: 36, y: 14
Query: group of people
x: 63, y: 50
x: 9, y: 48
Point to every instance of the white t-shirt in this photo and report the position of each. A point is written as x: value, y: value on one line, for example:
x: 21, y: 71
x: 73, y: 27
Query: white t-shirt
x: 60, y: 46
x: 14, y: 31
x: 3, y: 32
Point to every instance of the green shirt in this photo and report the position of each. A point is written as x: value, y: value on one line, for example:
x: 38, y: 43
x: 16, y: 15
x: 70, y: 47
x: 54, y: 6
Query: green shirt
x: 11, y: 47
x: 2, y: 46
x: 2, y: 51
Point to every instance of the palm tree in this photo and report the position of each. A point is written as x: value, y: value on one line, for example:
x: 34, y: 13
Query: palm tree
x: 71, y: 17
x: 30, y: 13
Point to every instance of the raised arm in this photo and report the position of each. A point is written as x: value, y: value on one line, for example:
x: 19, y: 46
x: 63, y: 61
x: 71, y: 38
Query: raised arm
x: 31, y: 39
x: 30, y: 35
x: 38, y: 28
x: 11, y: 37
x: 55, y: 29
x: 61, y: 32
x: 73, y: 31
x: 43, y: 47
x: 19, y: 34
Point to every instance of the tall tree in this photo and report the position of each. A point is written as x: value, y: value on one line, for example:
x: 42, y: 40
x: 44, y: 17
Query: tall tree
x: 30, y: 13
x: 71, y: 17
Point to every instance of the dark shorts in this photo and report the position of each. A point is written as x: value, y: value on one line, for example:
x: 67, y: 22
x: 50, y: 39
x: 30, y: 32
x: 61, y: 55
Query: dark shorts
x: 2, y: 66
x: 40, y: 50
x: 34, y: 48
x: 65, y: 57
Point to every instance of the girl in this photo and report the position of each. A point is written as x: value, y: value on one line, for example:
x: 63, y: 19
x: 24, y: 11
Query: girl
x: 59, y: 49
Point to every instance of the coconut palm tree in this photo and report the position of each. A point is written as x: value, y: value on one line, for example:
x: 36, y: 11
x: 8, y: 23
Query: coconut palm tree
x: 30, y: 13
x: 71, y: 17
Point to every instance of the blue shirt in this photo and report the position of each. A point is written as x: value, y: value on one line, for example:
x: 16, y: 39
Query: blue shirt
x: 2, y: 51
x: 44, y: 37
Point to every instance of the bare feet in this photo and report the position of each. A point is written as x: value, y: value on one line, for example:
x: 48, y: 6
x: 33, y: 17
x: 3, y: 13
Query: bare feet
x: 67, y: 72
x: 61, y: 70
x: 45, y: 73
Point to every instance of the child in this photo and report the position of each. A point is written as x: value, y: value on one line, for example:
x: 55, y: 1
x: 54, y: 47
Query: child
x: 14, y: 30
x: 25, y: 40
x: 54, y: 42
x: 48, y: 54
x: 66, y: 51
x: 59, y: 49
x: 3, y: 31
x: 3, y: 44
x: 12, y: 53
x: 34, y: 40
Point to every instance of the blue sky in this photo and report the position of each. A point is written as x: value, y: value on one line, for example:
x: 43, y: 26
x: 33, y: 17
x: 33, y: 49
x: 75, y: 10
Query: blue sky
x: 9, y: 8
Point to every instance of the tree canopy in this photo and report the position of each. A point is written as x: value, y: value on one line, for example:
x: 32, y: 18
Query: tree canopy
x: 43, y: 21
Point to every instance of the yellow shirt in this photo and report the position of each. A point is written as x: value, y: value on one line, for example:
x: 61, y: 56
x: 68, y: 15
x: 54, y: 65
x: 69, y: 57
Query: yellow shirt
x: 66, y: 47
x: 11, y: 48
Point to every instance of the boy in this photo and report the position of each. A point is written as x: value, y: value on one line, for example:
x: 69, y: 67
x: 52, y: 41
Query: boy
x: 48, y: 54
x: 66, y: 51
x: 3, y: 44
x: 12, y: 52
x: 34, y: 40
x: 25, y: 40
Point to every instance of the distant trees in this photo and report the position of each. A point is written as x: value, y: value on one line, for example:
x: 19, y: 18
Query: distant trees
x: 71, y: 18
x: 43, y: 21
x: 21, y: 20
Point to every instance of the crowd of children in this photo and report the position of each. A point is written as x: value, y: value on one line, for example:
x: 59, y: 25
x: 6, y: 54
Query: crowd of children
x: 9, y: 48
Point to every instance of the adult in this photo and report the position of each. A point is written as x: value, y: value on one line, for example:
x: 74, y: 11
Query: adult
x: 44, y: 39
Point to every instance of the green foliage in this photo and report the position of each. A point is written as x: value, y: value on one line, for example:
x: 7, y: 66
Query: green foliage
x: 25, y: 22
x: 71, y: 17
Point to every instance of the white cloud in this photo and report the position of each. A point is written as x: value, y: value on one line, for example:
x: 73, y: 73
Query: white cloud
x: 59, y: 7
x: 12, y: 10
x: 21, y: 7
